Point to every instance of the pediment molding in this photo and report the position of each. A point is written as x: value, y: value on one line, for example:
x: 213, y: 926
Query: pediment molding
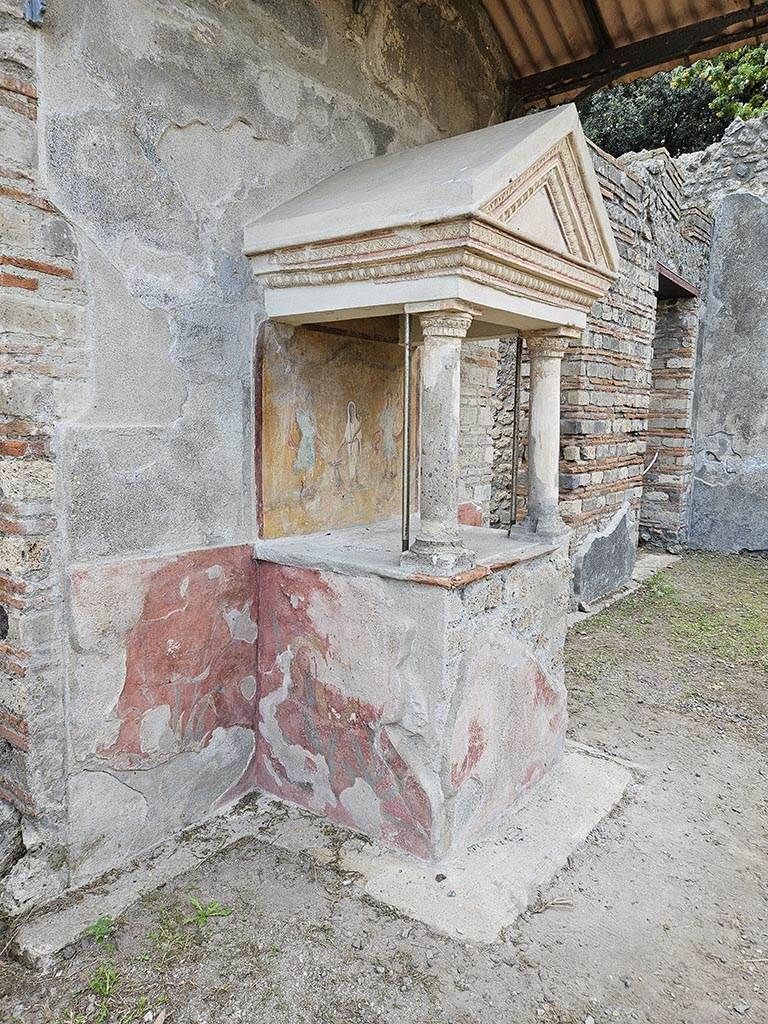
x: 470, y: 247
x: 557, y: 176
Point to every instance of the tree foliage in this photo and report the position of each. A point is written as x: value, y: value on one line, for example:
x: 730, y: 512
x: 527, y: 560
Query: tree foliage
x: 738, y: 81
x: 653, y: 112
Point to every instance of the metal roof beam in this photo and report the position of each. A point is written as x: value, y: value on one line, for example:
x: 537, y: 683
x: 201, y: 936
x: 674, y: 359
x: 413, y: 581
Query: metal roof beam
x: 593, y: 72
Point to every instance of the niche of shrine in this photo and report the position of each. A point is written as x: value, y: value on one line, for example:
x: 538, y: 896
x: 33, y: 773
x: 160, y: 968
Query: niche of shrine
x: 410, y: 680
x: 505, y: 226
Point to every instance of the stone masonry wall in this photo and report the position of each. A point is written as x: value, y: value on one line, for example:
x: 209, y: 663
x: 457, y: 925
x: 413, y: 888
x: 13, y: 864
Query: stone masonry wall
x: 667, y: 483
x: 42, y: 374
x: 607, y: 378
x: 161, y: 129
x: 479, y: 365
x: 737, y: 163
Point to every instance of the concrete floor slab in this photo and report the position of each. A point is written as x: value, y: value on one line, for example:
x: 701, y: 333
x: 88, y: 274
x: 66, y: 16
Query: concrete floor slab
x: 484, y: 889
x: 477, y: 893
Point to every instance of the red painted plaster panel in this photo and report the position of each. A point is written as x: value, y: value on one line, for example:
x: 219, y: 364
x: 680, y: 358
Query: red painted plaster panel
x: 470, y: 514
x: 191, y: 656
x: 317, y: 746
x: 510, y: 723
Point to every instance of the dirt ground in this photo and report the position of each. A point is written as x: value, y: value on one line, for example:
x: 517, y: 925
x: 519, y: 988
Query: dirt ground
x: 661, y: 917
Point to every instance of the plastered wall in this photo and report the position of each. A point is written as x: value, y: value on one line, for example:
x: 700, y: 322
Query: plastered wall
x: 729, y: 499
x: 331, y: 427
x: 151, y: 134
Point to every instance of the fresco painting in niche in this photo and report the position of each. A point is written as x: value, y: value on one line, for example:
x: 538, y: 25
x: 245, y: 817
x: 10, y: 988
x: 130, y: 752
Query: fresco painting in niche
x: 332, y: 427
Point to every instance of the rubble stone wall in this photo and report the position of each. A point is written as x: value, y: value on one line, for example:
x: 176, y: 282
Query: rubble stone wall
x: 479, y: 368
x: 42, y: 383
x: 157, y: 130
x: 737, y: 163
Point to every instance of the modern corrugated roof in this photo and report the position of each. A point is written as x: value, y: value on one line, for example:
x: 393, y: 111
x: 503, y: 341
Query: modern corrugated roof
x: 560, y: 48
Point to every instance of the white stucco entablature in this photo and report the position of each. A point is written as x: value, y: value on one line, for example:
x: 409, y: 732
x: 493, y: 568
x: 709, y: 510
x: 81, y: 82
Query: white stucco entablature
x: 508, y: 220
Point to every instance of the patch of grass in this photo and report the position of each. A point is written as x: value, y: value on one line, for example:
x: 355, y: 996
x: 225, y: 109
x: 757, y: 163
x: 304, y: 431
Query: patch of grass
x: 178, y: 931
x: 694, y: 637
x: 172, y: 937
x: 203, y: 913
x: 104, y: 981
x: 102, y: 931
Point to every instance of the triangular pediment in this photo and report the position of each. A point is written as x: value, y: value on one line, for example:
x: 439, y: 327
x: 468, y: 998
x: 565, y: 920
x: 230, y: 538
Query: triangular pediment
x: 549, y: 205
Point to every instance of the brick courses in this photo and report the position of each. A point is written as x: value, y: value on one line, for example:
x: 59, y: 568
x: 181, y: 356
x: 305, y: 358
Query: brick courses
x: 612, y: 383
x: 42, y: 356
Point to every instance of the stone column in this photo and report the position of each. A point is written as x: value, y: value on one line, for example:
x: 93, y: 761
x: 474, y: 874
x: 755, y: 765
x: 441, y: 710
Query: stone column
x: 545, y: 352
x: 438, y: 548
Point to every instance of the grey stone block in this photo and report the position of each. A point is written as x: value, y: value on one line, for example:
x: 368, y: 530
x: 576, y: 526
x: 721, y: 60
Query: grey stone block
x: 730, y: 487
x: 604, y: 563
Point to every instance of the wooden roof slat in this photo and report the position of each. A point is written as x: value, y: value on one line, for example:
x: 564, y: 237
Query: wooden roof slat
x: 597, y: 24
x: 561, y: 49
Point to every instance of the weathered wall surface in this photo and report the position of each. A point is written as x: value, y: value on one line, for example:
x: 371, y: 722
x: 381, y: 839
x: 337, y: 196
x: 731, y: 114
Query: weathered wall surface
x: 479, y: 366
x: 730, y: 487
x: 160, y: 130
x: 162, y: 698
x: 409, y: 712
x: 738, y: 163
x: 42, y: 371
x: 729, y: 502
x: 667, y: 483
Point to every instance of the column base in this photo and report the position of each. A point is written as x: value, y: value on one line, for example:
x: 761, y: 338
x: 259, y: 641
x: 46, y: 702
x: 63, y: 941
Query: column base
x: 438, y: 557
x: 547, y: 524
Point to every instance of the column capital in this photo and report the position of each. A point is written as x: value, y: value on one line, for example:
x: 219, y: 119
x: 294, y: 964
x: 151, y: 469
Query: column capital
x: 551, y: 342
x: 445, y: 323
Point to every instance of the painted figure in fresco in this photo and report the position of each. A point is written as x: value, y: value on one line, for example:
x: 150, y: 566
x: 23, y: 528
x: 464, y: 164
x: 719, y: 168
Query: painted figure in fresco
x: 353, y: 441
x: 389, y: 435
x: 305, y: 443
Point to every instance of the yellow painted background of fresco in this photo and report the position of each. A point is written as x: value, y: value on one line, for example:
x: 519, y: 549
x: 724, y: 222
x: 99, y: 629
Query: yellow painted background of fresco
x: 331, y: 428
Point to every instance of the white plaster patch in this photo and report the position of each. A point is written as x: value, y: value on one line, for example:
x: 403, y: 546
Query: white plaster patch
x: 214, y: 572
x: 363, y: 806
x: 155, y: 733
x: 240, y: 624
x: 95, y: 686
x: 248, y: 687
x: 99, y: 840
x: 184, y: 586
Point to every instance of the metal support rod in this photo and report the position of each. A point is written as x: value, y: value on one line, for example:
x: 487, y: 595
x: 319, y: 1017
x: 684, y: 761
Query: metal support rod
x: 405, y: 337
x: 515, y: 435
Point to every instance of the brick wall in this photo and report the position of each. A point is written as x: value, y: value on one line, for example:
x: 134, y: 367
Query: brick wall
x: 41, y: 373
x: 607, y: 380
x: 669, y: 462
